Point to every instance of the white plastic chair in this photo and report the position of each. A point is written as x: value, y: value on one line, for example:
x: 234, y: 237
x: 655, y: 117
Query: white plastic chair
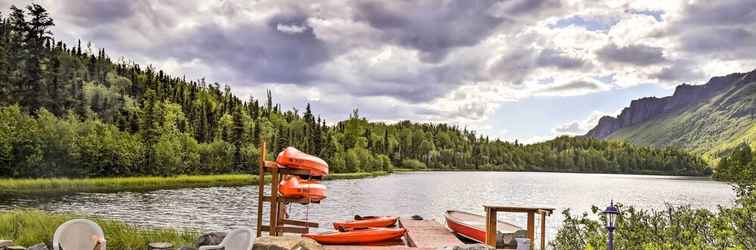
x: 78, y: 234
x: 238, y: 239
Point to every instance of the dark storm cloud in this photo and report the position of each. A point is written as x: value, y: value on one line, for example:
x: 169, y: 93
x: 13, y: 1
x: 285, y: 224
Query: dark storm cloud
x: 640, y: 55
x: 283, y: 49
x: 97, y: 12
x: 726, y: 42
x: 724, y: 29
x: 554, y: 58
x: 519, y: 7
x: 431, y: 27
x: 722, y: 12
x: 679, y: 72
x: 572, y: 86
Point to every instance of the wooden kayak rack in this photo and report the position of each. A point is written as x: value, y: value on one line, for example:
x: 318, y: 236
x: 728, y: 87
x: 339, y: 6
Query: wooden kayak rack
x: 278, y: 218
x: 531, y: 211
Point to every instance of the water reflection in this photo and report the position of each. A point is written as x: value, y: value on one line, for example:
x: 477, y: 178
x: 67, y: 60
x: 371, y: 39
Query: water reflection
x: 427, y: 194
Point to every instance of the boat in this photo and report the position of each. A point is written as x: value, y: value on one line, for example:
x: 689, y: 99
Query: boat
x: 473, y: 227
x: 306, y: 191
x: 363, y: 236
x: 293, y: 158
x: 360, y: 222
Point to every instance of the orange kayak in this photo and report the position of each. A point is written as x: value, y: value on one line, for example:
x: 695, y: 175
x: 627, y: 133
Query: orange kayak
x: 296, y: 188
x: 293, y: 158
x: 370, y: 235
x: 365, y: 222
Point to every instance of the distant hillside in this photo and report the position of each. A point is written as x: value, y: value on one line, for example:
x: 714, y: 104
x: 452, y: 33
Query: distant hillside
x: 708, y: 119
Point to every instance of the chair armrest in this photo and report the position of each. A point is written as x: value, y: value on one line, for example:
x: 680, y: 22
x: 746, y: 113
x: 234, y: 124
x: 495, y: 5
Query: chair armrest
x: 211, y: 248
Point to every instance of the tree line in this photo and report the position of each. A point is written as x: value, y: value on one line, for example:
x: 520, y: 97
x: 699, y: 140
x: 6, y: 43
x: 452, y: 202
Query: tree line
x: 73, y: 111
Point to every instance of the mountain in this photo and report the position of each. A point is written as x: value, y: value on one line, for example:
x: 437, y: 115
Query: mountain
x: 708, y: 119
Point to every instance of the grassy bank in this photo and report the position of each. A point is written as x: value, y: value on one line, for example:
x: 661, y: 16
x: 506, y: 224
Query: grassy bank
x: 116, y: 184
x: 29, y: 227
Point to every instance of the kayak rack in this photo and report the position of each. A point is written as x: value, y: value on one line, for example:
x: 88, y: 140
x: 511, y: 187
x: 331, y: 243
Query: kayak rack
x: 531, y: 211
x: 278, y: 218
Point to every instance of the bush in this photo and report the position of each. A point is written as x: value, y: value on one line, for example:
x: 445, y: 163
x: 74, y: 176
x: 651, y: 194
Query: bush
x: 413, y: 164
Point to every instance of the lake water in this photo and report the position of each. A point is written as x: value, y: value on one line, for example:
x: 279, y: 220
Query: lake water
x: 427, y: 194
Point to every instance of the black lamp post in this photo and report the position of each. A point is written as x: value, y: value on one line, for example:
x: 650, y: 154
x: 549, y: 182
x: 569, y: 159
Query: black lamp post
x: 611, y: 217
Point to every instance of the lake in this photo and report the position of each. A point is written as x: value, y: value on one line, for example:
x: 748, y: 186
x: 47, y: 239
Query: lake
x: 427, y: 194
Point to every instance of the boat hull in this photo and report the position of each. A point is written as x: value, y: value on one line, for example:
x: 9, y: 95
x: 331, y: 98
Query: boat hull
x: 364, y: 236
x: 373, y: 221
x: 472, y: 226
x: 293, y: 158
x: 295, y: 188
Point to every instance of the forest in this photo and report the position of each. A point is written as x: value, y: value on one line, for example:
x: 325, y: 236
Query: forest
x: 72, y: 111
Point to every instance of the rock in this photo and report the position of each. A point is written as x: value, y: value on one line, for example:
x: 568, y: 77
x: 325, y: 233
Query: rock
x: 160, y: 246
x: 40, y: 246
x: 15, y: 248
x: 210, y: 239
x: 5, y: 243
x: 187, y: 248
x: 286, y: 242
x: 647, y: 108
x: 468, y: 247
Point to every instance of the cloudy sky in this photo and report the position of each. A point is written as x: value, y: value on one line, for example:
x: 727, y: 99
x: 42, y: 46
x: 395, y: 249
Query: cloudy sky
x: 511, y: 69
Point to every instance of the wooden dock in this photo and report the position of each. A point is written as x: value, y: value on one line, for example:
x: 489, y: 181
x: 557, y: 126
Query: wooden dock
x: 421, y: 235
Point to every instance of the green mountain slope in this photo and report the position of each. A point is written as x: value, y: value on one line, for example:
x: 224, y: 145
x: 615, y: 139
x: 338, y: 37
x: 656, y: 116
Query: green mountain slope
x: 708, y: 119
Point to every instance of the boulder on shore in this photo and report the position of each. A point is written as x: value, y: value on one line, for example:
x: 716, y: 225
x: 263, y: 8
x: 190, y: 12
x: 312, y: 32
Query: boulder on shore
x: 286, y: 242
x: 40, y: 246
x: 210, y: 239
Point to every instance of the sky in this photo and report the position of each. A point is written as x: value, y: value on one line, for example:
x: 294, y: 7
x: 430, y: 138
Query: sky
x: 524, y: 70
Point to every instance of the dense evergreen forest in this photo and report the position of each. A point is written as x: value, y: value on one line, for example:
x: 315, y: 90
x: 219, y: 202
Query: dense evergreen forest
x: 73, y: 111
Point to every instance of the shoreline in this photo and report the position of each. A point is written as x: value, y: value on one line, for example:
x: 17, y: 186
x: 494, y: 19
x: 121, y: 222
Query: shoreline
x: 54, y: 186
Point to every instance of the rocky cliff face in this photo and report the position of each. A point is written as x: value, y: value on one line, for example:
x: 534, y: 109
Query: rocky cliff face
x: 685, y: 96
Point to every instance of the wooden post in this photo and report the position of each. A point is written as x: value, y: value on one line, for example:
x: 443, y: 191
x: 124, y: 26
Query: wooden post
x: 491, y: 227
x: 274, y: 203
x: 543, y: 230
x: 531, y: 228
x: 261, y: 188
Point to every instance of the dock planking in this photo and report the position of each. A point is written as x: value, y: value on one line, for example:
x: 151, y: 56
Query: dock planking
x: 428, y: 234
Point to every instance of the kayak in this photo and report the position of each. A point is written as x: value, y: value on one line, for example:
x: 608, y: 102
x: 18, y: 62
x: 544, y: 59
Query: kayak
x: 369, y: 235
x: 365, y: 222
x: 293, y: 158
x: 295, y: 188
x: 473, y: 227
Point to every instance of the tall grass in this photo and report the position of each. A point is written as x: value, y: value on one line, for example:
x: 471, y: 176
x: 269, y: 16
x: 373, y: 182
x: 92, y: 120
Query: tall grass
x: 29, y: 227
x: 117, y: 184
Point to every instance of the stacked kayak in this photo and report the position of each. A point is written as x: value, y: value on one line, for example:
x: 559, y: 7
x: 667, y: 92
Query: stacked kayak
x: 293, y: 158
x: 362, y: 230
x: 294, y: 187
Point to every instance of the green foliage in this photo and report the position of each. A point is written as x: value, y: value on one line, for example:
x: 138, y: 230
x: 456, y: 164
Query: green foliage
x: 413, y: 164
x: 739, y: 167
x: 676, y: 227
x: 73, y: 112
x: 673, y: 228
x: 29, y: 227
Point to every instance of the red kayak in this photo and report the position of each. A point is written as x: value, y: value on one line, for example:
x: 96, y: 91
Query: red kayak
x: 296, y: 188
x: 473, y: 226
x: 365, y: 222
x: 364, y: 236
x: 293, y: 158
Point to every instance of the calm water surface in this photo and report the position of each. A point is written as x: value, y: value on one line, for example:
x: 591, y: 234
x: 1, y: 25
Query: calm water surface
x: 427, y: 194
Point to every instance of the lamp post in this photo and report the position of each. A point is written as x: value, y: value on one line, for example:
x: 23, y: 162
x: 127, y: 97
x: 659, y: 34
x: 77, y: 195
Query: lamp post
x: 611, y: 217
